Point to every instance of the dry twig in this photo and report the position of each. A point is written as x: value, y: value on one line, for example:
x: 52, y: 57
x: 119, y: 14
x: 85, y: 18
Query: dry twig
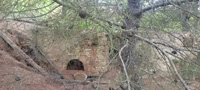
x: 124, y: 66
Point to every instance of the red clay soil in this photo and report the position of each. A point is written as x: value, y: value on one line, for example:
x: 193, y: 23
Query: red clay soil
x: 17, y: 76
x: 165, y: 83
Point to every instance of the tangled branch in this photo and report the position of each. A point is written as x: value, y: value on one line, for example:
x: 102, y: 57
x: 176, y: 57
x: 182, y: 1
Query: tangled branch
x: 124, y: 66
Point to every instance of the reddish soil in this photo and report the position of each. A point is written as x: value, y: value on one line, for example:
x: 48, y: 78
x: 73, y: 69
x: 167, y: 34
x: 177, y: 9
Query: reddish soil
x: 17, y: 76
x: 14, y: 75
x: 167, y: 83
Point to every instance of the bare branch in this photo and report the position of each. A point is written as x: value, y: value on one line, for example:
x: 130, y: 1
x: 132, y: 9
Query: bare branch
x: 169, y: 59
x: 157, y: 6
x: 124, y: 66
x: 163, y: 5
x: 174, y: 4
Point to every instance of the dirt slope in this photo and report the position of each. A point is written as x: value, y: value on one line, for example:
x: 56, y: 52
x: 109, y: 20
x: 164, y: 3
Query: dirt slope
x: 16, y: 76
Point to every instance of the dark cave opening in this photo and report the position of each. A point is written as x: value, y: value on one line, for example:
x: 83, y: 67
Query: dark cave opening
x: 75, y: 64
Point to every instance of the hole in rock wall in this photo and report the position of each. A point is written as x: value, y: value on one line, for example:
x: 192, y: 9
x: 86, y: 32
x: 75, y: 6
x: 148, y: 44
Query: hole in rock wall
x: 75, y: 64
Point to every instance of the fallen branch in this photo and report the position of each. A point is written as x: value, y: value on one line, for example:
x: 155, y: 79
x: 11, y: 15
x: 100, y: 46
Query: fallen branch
x: 22, y: 54
x: 82, y: 82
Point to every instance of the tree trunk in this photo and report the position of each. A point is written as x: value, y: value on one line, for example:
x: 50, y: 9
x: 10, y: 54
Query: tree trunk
x: 22, y: 54
x: 129, y: 54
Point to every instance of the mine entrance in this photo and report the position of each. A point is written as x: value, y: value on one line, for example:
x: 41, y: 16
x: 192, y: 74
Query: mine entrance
x: 75, y: 64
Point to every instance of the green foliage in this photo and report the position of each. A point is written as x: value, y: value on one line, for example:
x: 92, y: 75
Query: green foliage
x: 166, y: 20
x: 88, y: 25
x: 187, y: 70
x: 22, y: 9
x: 144, y: 53
x: 171, y: 18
